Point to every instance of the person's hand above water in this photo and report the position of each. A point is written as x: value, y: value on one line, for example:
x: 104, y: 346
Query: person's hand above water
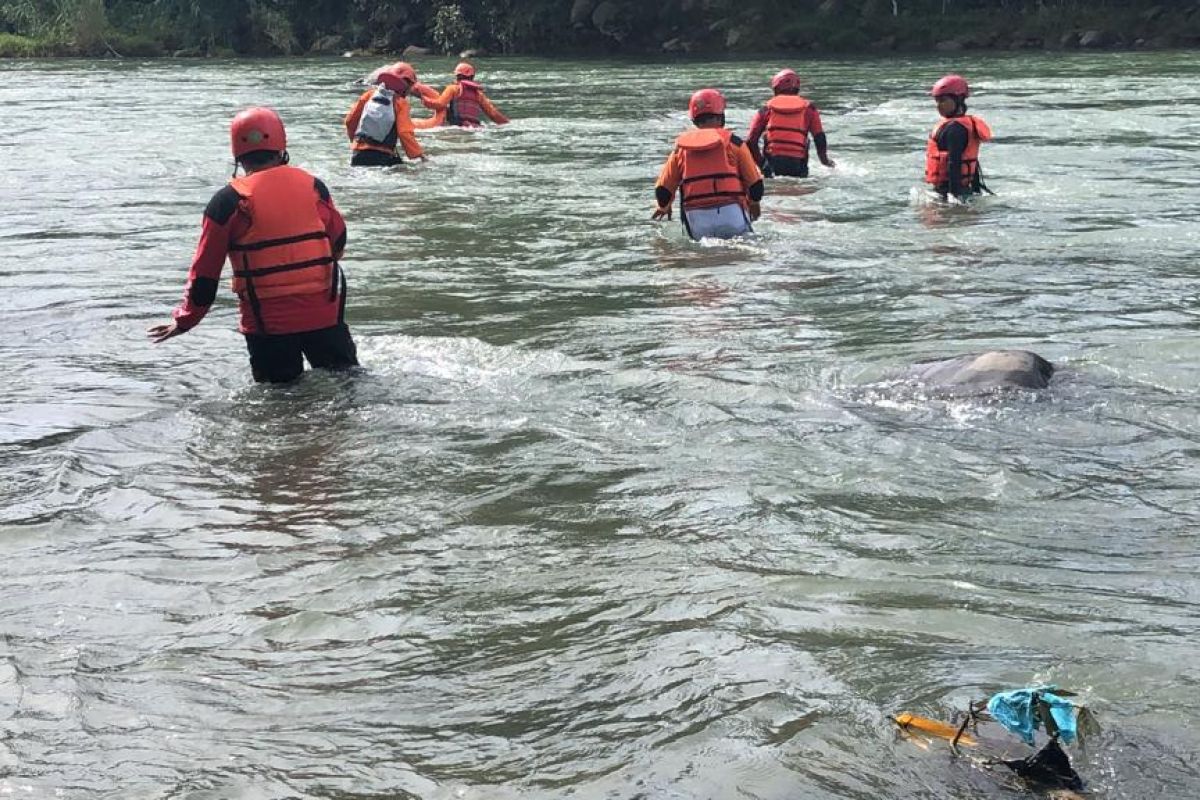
x: 660, y: 212
x: 827, y: 161
x: 160, y: 333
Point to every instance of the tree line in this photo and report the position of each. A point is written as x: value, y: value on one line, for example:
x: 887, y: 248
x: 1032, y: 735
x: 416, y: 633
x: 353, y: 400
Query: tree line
x: 290, y: 27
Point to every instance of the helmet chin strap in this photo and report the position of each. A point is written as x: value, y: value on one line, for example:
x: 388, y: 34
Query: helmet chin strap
x: 284, y: 158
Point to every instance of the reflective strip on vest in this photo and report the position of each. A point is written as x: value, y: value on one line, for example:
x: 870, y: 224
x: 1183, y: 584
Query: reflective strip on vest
x: 286, y: 251
x: 937, y: 161
x: 787, y: 126
x: 710, y: 176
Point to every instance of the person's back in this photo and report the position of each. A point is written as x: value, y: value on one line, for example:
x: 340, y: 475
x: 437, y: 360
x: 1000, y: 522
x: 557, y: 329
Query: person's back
x: 465, y: 102
x: 719, y: 185
x: 380, y: 120
x: 784, y: 125
x: 283, y: 236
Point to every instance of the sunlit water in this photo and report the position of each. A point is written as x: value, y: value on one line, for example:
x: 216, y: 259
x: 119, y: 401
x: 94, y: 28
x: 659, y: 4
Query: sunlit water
x: 609, y: 514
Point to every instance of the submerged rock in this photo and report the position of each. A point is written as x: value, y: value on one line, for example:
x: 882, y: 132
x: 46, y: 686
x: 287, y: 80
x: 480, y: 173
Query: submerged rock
x: 994, y: 369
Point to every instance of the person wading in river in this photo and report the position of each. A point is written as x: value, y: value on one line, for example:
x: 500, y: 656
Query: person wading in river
x: 719, y: 184
x: 464, y: 102
x: 785, y: 124
x: 952, y: 151
x: 283, y: 236
x: 381, y: 119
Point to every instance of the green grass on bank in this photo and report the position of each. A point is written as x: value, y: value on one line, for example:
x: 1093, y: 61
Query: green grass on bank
x: 13, y: 46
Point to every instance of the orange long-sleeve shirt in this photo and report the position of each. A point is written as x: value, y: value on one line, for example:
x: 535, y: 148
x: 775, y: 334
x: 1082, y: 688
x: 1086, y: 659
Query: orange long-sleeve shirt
x: 403, y: 134
x: 454, y: 90
x: 671, y: 174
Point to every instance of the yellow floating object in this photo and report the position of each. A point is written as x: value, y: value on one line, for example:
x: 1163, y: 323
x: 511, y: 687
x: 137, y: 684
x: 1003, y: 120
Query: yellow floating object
x: 912, y: 722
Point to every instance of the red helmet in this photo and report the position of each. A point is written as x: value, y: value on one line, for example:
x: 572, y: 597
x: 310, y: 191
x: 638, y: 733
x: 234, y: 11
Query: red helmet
x: 706, y: 101
x: 257, y: 129
x: 398, y: 77
x: 786, y: 80
x: 464, y: 70
x: 953, y: 85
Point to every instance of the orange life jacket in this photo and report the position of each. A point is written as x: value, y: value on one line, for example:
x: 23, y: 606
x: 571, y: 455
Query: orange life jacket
x: 465, y: 108
x: 937, y: 162
x: 787, y: 126
x: 286, y: 251
x: 710, y: 176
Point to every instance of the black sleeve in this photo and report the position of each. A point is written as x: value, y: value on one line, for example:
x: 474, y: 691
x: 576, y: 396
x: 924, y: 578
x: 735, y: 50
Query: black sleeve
x: 222, y: 205
x: 953, y: 139
x: 322, y: 189
x: 821, y: 143
x: 756, y: 191
x: 662, y: 196
x: 323, y: 192
x: 203, y: 292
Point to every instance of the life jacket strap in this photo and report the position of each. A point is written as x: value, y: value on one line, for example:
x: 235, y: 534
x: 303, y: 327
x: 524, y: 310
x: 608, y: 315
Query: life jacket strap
x: 261, y: 271
x: 263, y: 245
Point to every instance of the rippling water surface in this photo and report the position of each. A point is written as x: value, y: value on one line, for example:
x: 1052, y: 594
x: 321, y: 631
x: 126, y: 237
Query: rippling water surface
x: 609, y: 514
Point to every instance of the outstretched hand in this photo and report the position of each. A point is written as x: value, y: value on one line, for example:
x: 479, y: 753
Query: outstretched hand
x: 160, y: 333
x: 661, y: 212
x: 827, y: 161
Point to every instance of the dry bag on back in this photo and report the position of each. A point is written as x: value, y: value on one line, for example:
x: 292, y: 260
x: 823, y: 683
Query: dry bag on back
x: 378, y: 118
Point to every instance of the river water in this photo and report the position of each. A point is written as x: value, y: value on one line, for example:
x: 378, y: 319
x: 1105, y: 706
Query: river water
x: 608, y: 514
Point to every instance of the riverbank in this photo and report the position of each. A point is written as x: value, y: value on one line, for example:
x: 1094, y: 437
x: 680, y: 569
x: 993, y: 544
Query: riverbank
x: 611, y: 29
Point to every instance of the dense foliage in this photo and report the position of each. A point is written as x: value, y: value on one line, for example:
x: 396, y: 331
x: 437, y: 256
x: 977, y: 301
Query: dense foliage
x: 198, y: 27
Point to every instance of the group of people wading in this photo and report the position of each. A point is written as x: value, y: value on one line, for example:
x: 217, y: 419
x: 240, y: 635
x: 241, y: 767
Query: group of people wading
x: 283, y: 236
x: 719, y: 176
x: 381, y: 120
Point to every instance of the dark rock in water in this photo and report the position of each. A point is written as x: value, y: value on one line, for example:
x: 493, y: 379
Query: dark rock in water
x: 1095, y: 39
x: 412, y: 51
x: 995, y: 369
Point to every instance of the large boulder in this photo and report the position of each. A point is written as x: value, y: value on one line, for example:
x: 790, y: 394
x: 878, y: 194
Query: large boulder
x: 1093, y: 39
x: 991, y: 370
x: 412, y: 51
